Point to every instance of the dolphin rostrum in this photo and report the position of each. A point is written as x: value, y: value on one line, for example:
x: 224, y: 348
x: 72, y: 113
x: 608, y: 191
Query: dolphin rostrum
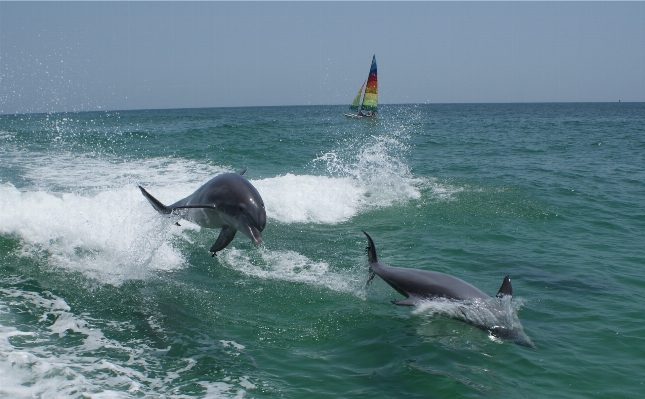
x: 228, y: 201
x: 419, y: 286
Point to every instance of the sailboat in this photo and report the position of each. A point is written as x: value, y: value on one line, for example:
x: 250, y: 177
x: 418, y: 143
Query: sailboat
x: 369, y: 94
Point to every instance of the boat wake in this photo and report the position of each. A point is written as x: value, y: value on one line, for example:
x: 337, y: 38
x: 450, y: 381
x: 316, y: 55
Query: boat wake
x: 47, y: 350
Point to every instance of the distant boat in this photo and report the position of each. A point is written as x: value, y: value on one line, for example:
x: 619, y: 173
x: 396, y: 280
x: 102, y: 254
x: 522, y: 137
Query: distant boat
x: 369, y: 93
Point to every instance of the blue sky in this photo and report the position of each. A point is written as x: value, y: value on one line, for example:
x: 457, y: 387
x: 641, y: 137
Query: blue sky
x: 74, y: 56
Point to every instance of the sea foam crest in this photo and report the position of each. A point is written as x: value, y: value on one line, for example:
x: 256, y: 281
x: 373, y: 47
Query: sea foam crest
x: 85, y: 173
x: 310, y: 199
x: 355, y: 180
x: 85, y: 213
x: 111, y: 236
x: 377, y: 167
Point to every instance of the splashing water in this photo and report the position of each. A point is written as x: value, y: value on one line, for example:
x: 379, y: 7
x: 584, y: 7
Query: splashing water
x: 498, y: 316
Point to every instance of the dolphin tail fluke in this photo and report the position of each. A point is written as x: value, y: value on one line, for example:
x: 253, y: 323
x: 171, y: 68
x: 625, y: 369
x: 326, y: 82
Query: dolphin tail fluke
x: 505, y: 289
x: 371, y: 256
x: 159, y: 207
x: 371, y: 249
x: 371, y: 277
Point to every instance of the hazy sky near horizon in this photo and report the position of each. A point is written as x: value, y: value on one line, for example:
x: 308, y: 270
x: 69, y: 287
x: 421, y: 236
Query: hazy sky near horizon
x: 75, y: 56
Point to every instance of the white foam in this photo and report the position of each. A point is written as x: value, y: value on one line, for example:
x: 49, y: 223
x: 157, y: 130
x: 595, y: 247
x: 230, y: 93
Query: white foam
x: 491, y: 314
x: 441, y: 191
x: 38, y: 366
x: 377, y: 169
x: 372, y: 179
x: 310, y: 199
x: 366, y: 178
x: 244, y: 383
x: 290, y: 266
x: 113, y: 236
x: 89, y: 173
x: 85, y: 213
x: 231, y: 344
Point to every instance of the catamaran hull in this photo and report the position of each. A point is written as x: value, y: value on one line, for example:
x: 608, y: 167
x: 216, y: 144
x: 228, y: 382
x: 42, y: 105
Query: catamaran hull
x: 358, y: 116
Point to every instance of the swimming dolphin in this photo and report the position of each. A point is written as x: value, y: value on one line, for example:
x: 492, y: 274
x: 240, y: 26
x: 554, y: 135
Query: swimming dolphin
x: 419, y: 286
x: 228, y: 201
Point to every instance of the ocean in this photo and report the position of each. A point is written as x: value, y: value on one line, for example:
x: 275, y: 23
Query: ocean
x: 102, y: 297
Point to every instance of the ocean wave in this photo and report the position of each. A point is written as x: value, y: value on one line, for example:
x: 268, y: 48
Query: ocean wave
x: 111, y: 236
x: 88, y: 173
x: 84, y: 212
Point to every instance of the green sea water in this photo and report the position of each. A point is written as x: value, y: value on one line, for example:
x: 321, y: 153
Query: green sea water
x: 102, y: 297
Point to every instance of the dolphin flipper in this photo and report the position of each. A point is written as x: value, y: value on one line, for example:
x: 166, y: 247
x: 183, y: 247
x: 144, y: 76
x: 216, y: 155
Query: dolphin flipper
x: 410, y: 301
x: 225, y: 237
x: 505, y: 289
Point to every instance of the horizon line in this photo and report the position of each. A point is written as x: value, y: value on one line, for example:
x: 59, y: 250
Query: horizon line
x: 311, y: 105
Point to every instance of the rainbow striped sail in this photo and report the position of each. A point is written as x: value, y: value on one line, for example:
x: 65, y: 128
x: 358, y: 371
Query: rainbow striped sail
x: 357, y: 100
x: 370, y: 99
x: 370, y: 96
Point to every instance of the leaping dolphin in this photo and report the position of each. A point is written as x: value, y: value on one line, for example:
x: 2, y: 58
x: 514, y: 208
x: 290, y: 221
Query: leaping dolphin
x: 228, y: 201
x: 420, y: 286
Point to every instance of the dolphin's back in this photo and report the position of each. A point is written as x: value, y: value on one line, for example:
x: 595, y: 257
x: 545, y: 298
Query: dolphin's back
x: 225, y: 188
x: 423, y: 284
x: 417, y: 284
x: 222, y: 193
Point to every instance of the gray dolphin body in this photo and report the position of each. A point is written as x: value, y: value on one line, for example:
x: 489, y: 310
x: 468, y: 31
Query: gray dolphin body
x: 228, y: 201
x: 419, y: 286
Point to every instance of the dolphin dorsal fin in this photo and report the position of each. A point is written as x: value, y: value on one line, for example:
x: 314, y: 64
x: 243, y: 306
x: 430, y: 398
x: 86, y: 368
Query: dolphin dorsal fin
x: 505, y: 289
x: 242, y: 172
